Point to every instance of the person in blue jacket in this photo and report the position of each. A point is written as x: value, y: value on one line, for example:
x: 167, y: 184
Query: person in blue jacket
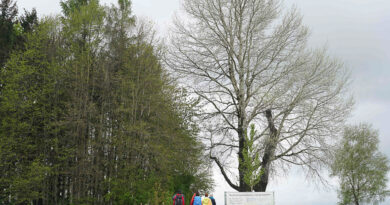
x: 196, y: 199
x: 212, y: 199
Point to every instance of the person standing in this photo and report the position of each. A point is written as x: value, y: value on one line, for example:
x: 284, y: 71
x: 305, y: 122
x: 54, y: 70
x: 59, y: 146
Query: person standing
x: 192, y: 199
x: 178, y: 198
x: 212, y: 199
x: 206, y: 200
x: 196, y: 199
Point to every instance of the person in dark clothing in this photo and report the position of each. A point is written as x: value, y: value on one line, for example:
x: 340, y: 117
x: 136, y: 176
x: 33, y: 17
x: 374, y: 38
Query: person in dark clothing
x: 212, y: 199
x: 178, y: 198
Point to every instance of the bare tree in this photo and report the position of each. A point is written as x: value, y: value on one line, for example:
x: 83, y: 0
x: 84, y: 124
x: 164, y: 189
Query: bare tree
x: 248, y: 62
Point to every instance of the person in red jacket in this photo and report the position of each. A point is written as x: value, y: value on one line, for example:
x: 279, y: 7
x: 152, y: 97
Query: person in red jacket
x: 178, y: 198
x: 192, y: 199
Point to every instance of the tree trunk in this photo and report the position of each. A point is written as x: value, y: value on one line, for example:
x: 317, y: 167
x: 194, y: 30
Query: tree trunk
x: 355, y: 198
x: 241, y: 168
x: 241, y: 131
x: 268, y: 154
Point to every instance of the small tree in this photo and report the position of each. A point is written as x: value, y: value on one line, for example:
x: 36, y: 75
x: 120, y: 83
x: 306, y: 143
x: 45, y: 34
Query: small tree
x: 251, y: 161
x: 360, y: 167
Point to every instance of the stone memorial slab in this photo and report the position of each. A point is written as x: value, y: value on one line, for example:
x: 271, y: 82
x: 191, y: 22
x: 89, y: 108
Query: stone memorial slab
x: 249, y: 198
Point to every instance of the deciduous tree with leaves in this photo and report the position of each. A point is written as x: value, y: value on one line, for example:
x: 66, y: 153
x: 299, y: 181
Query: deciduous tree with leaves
x: 361, y: 168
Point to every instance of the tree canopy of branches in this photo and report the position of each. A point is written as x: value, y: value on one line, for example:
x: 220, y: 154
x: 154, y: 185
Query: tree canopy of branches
x: 89, y: 116
x: 249, y: 63
x: 360, y: 167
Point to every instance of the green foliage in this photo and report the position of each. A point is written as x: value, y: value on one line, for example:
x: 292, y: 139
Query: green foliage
x: 251, y: 163
x: 8, y: 16
x: 18, y: 29
x: 72, y: 6
x: 13, y: 30
x: 29, y: 20
x: 361, y: 168
x: 28, y: 106
x: 27, y: 185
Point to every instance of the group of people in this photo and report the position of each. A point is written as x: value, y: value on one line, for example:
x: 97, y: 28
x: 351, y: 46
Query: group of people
x: 178, y: 199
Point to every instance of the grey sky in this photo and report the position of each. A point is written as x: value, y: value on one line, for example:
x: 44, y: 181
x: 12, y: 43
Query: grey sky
x: 356, y: 31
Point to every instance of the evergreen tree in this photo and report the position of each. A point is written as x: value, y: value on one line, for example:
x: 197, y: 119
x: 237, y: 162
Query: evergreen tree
x: 9, y: 12
x: 13, y: 30
x: 29, y: 106
x: 251, y: 160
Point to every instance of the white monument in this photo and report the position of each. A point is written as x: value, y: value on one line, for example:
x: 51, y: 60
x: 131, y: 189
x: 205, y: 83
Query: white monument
x: 249, y: 198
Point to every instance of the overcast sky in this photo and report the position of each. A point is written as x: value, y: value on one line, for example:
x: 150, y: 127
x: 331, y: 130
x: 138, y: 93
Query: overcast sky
x: 356, y: 31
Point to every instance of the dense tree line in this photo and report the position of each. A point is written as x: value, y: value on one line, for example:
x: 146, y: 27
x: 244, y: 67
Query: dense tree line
x: 88, y: 115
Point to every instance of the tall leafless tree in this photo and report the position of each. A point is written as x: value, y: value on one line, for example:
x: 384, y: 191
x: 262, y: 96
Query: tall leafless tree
x: 249, y: 63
